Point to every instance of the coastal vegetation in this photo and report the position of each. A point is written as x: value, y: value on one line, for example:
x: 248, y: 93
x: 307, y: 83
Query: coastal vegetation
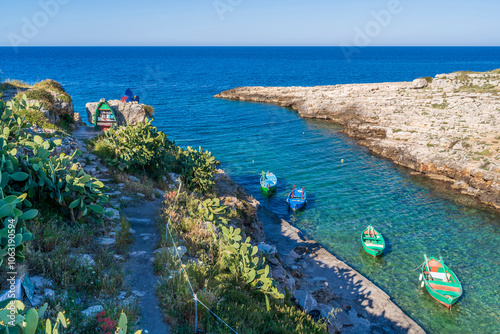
x: 60, y: 213
x: 226, y: 271
x: 54, y: 212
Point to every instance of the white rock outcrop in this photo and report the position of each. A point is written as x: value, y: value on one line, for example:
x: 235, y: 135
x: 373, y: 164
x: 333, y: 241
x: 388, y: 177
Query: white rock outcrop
x: 130, y: 113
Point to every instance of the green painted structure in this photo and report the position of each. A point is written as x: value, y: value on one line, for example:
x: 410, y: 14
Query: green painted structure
x: 373, y: 242
x: 440, y: 281
x: 104, y: 116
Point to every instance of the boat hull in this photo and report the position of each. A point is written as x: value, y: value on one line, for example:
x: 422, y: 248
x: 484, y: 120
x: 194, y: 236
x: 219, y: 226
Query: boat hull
x: 268, y: 183
x: 448, y: 302
x: 267, y: 190
x: 373, y: 246
x: 372, y: 252
x: 441, y: 282
x: 298, y: 200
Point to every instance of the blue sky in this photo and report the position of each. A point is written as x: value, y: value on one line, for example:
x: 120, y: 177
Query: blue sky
x: 250, y: 22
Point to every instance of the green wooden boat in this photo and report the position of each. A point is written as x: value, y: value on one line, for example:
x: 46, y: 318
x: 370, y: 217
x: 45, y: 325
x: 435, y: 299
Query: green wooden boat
x: 440, y: 281
x: 373, y: 242
x: 268, y: 182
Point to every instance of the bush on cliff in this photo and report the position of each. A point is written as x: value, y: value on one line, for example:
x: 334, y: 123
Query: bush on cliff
x: 44, y: 92
x: 227, y: 274
x: 142, y: 148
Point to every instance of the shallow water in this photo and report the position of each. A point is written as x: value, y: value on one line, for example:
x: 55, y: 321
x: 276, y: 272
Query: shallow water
x: 415, y: 215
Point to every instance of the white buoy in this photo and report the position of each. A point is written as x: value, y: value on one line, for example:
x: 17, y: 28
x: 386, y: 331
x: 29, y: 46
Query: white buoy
x: 422, y: 285
x: 420, y: 277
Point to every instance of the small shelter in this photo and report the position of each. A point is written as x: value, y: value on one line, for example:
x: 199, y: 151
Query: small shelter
x: 104, y: 116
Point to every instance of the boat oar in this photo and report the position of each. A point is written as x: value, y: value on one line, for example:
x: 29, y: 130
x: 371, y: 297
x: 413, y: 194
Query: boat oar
x: 427, y: 263
x: 302, y: 197
x: 293, y: 191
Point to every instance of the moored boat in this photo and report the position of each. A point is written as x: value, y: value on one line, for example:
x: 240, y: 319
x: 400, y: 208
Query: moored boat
x: 268, y: 182
x: 297, y: 199
x: 440, y: 281
x: 373, y: 242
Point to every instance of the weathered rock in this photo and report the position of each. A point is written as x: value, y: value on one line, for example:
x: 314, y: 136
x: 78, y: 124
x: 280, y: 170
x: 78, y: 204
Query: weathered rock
x: 448, y: 129
x: 130, y: 113
x: 40, y: 281
x: 92, y: 310
x: 84, y: 260
x: 105, y: 241
x: 420, y: 83
x: 267, y: 249
x: 174, y: 178
x: 305, y: 300
x: 323, y: 295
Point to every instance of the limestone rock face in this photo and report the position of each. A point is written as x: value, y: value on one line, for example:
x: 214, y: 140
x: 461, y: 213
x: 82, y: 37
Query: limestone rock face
x: 130, y: 113
x: 447, y: 127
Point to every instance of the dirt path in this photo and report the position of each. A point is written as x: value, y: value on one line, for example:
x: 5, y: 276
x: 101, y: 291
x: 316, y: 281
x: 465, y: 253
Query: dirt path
x: 140, y: 265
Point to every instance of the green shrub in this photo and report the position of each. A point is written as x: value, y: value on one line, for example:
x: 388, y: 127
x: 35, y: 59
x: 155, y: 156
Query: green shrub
x: 27, y: 321
x: 197, y: 168
x: 138, y: 148
x: 149, y: 110
x: 428, y: 79
x: 50, y: 85
x: 40, y: 95
x: 40, y: 175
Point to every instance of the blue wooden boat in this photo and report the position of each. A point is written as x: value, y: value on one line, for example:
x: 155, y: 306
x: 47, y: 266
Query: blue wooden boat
x: 268, y: 182
x: 297, y: 199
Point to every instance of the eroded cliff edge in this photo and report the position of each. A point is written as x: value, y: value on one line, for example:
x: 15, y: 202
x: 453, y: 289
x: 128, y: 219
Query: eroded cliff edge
x: 447, y: 127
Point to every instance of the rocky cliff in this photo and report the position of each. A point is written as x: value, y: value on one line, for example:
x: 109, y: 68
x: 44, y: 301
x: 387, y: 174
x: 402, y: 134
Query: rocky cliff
x: 445, y: 127
x: 126, y: 113
x: 55, y: 102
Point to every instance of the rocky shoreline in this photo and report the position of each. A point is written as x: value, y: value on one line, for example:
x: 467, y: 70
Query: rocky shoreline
x: 326, y: 285
x: 318, y: 282
x: 445, y: 127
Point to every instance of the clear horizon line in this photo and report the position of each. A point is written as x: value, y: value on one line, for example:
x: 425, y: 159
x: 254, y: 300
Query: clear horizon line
x: 257, y: 46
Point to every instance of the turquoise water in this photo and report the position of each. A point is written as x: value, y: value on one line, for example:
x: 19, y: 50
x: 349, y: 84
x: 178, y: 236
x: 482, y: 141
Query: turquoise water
x: 415, y: 215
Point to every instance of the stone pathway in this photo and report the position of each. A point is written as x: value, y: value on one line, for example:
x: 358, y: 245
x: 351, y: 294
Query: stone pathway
x: 142, y: 215
x: 85, y: 132
x: 140, y: 267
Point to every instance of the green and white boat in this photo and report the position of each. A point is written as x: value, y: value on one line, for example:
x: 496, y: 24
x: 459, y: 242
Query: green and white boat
x: 268, y: 182
x: 373, y: 242
x: 440, y: 281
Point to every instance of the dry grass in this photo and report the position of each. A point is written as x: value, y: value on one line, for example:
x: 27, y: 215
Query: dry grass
x: 145, y: 185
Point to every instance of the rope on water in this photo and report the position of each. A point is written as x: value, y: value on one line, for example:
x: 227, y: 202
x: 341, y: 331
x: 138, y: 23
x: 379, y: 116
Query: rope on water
x: 419, y: 266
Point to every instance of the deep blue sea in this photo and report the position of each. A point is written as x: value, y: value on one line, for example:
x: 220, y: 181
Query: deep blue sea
x: 415, y: 215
